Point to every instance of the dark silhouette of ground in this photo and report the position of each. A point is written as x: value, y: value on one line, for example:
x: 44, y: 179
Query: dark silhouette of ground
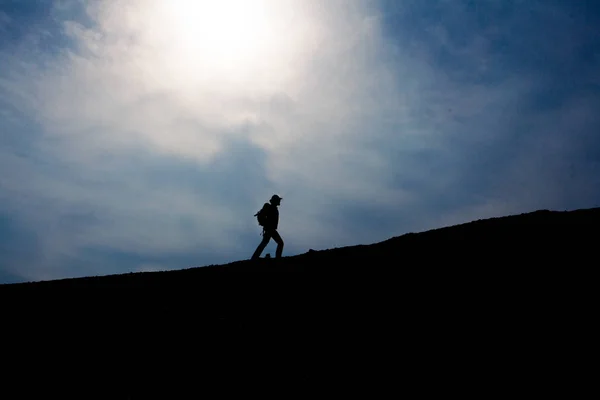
x: 479, y: 256
x: 488, y: 292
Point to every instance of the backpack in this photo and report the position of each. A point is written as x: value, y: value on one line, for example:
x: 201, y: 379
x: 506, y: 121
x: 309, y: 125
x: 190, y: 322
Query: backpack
x: 261, y: 216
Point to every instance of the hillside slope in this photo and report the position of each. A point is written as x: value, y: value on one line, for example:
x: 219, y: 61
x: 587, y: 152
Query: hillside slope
x: 484, y: 256
x: 497, y: 302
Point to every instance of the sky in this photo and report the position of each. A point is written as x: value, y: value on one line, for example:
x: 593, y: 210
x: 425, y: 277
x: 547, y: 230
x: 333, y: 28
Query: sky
x: 143, y: 135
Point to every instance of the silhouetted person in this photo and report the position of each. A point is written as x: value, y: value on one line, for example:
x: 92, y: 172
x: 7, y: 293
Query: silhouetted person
x: 268, y: 216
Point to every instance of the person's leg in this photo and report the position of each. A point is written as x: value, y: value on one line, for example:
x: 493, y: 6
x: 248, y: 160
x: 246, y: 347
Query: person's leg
x: 262, y: 245
x: 279, y: 242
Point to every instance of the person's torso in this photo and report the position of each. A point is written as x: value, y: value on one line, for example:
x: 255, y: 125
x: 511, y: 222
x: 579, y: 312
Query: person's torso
x: 272, y: 217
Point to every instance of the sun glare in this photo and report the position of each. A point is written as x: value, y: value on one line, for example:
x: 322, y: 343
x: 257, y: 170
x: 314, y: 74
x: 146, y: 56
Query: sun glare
x: 224, y: 34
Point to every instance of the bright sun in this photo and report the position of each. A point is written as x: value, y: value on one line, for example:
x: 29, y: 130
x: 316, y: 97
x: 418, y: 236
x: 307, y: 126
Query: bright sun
x: 219, y: 34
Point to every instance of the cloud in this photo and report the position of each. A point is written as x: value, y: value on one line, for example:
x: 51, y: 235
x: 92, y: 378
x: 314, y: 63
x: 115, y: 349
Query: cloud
x: 133, y: 140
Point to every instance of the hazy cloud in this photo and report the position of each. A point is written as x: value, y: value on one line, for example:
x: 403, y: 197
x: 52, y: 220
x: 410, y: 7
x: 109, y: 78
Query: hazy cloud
x: 147, y: 133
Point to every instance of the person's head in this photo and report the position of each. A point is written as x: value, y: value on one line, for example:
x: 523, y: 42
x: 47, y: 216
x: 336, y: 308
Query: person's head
x: 276, y: 200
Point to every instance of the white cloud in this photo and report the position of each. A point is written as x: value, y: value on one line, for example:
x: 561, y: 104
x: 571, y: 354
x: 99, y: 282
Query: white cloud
x: 334, y: 108
x: 122, y: 90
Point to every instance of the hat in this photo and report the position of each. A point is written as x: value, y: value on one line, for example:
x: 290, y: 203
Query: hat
x: 275, y: 197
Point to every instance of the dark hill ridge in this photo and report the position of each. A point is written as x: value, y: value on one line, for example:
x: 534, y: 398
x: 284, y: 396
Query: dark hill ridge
x: 491, y: 305
x: 498, y: 255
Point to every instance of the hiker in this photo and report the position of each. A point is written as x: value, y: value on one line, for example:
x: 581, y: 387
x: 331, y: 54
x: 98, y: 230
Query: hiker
x: 268, y: 217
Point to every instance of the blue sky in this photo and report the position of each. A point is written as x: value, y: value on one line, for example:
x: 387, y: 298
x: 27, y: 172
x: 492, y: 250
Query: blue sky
x: 143, y: 135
